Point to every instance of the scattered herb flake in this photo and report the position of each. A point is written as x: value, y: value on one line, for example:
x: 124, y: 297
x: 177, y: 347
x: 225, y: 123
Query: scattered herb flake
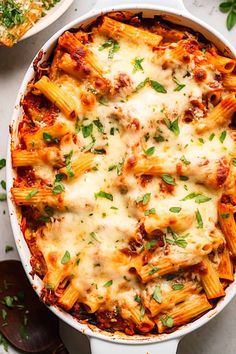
x: 103, y: 194
x: 8, y: 248
x: 177, y: 286
x: 167, y: 321
x: 225, y: 215
x: 157, y: 86
x: 32, y: 193
x: 66, y: 258
x: 199, y: 219
x: 108, y: 283
x: 175, y: 209
x: 138, y: 64
x: 157, y: 295
x: 223, y: 136
x: 168, y: 179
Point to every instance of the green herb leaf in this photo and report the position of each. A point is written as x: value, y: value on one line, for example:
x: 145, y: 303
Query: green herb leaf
x: 48, y: 138
x: 201, y: 199
x: 225, y: 216
x: 153, y: 270
x: 4, y: 343
x: 150, y: 211
x: 167, y: 321
x: 108, y: 283
x: 181, y: 242
x: 87, y: 130
x: 8, y: 248
x: 137, y: 298
x: 168, y: 179
x: 184, y: 160
x: 103, y: 101
x: 225, y: 6
x: 211, y: 137
x: 107, y: 44
x: 145, y: 199
x: 175, y: 209
x: 234, y: 161
x: 103, y: 194
x: 150, y: 151
x: 231, y: 20
x: 4, y: 314
x: 223, y: 136
x: 2, y: 163
x: 138, y: 64
x: 159, y: 138
x: 58, y: 188
x: 199, y: 219
x: 3, y: 197
x: 141, y: 85
x: 99, y: 125
x: 59, y: 177
x: 94, y: 236
x: 157, y: 86
x: 173, y: 126
x: 179, y: 85
x: 177, y: 286
x: 183, y: 178
x: 157, y: 295
x: 190, y: 196
x: 66, y: 258
x: 150, y: 244
x: 3, y: 184
x: 142, y: 312
x: 8, y: 301
x: 32, y: 193
x: 114, y: 49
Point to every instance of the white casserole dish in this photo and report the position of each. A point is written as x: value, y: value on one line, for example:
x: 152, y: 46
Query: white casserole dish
x: 103, y: 342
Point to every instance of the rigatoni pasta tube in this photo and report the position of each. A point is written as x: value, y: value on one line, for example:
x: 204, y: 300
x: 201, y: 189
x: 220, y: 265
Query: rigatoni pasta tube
x: 228, y: 225
x: 210, y: 280
x: 57, y: 96
x: 223, y: 64
x: 172, y: 298
x: 225, y: 269
x: 141, y: 320
x: 78, y: 166
x: 37, y: 196
x: 37, y: 140
x: 219, y: 116
x: 69, y: 297
x: 229, y: 81
x: 184, y: 312
x: 36, y: 157
x: 118, y: 30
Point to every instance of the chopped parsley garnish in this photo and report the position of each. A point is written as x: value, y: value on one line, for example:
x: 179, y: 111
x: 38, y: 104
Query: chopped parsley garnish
x: 3, y: 184
x: 3, y: 197
x: 2, y: 163
x: 94, y: 236
x: 99, y: 125
x: 108, y: 283
x: 223, y: 136
x: 183, y: 178
x: 58, y: 188
x: 141, y: 85
x: 159, y: 138
x: 59, y: 177
x: 145, y: 199
x: 153, y: 270
x: 225, y: 215
x: 167, y: 321
x: 201, y: 140
x: 199, y: 198
x: 199, y: 219
x: 32, y: 193
x: 173, y: 126
x: 142, y: 312
x: 211, y: 137
x: 103, y: 194
x: 157, y: 295
x: 113, y: 45
x: 234, y: 161
x: 4, y: 343
x: 4, y: 314
x: 176, y: 239
x: 8, y: 248
x: 66, y: 258
x: 179, y: 85
x: 103, y: 101
x: 138, y: 64
x: 184, y: 160
x: 150, y: 244
x: 8, y: 301
x: 150, y: 211
x: 68, y: 163
x: 11, y: 13
x: 175, y: 209
x: 48, y: 138
x: 157, y: 86
x: 137, y: 298
x: 177, y: 286
x: 150, y: 151
x: 168, y: 179
x: 87, y: 130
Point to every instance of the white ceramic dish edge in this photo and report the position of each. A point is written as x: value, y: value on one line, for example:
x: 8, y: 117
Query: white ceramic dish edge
x: 51, y: 16
x: 102, y: 342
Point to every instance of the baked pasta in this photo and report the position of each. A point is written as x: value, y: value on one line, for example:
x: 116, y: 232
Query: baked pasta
x: 125, y: 174
x: 18, y: 16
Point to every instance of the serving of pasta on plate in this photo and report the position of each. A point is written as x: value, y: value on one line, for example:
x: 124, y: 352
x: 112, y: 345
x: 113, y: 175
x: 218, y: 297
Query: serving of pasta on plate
x: 125, y: 174
x: 18, y: 16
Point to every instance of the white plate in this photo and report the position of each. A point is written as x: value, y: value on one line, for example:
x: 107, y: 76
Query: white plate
x: 51, y: 15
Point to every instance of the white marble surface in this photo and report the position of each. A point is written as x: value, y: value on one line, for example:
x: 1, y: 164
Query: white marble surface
x: 218, y: 336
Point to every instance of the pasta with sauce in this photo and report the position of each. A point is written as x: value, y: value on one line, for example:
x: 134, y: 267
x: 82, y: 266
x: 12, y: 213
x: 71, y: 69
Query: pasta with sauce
x: 125, y: 172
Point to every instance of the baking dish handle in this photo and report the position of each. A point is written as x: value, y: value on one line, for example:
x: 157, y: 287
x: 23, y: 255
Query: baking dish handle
x: 99, y: 346
x: 173, y: 4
